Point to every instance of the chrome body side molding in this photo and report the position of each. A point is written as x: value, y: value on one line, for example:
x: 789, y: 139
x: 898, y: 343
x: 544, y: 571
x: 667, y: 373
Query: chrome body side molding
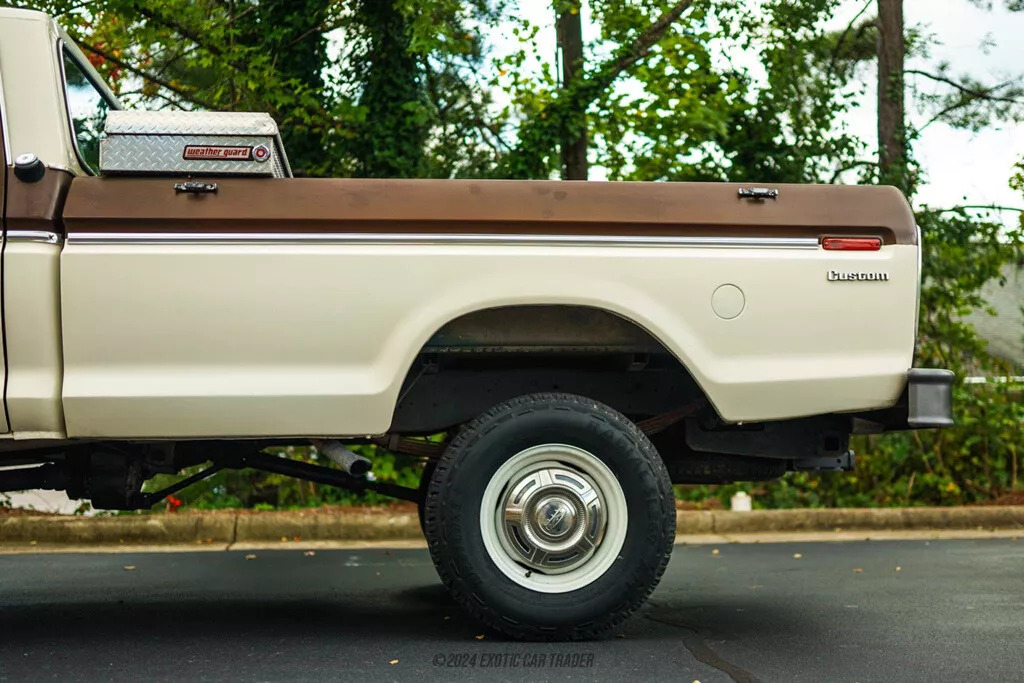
x: 445, y: 239
x: 43, y: 236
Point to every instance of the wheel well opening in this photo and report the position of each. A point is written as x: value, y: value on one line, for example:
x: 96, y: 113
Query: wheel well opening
x: 482, y: 358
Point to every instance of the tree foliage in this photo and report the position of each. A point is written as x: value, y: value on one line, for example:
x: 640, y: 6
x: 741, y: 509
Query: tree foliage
x: 662, y: 99
x: 358, y: 87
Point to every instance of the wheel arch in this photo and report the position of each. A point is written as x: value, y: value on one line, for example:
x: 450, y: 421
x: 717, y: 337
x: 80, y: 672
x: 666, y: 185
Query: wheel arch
x: 510, y: 337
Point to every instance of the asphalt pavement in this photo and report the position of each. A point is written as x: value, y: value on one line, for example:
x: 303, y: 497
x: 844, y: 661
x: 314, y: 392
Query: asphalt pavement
x: 856, y: 611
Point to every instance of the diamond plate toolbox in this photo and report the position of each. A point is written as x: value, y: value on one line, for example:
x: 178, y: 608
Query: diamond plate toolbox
x: 192, y: 143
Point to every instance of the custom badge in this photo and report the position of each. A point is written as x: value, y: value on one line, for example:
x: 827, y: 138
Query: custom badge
x: 837, y: 276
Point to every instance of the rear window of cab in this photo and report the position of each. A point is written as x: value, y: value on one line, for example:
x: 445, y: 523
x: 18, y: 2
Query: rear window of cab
x: 87, y: 106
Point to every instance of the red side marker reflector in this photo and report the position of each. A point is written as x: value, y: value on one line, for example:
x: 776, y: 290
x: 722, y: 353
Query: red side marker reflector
x: 851, y: 243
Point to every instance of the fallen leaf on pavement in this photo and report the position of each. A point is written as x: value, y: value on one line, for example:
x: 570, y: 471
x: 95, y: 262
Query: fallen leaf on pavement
x: 393, y: 661
x: 129, y: 567
x: 858, y: 570
x: 309, y: 553
x: 899, y: 569
x: 715, y: 551
x: 797, y: 555
x: 479, y: 637
x: 250, y: 557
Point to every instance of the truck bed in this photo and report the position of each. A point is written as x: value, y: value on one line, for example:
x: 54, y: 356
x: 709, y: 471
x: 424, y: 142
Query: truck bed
x: 212, y: 298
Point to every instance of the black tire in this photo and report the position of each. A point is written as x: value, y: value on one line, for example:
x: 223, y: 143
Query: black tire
x: 453, y: 518
x: 421, y: 505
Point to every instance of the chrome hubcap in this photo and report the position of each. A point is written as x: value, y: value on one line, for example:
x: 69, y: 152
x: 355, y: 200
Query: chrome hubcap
x: 554, y: 519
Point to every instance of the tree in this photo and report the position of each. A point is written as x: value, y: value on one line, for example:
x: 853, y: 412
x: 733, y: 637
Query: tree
x: 291, y: 31
x: 656, y: 39
x: 405, y: 79
x: 570, y: 43
x: 892, y: 162
x: 793, y: 129
x: 219, y: 55
x: 391, y: 134
x: 962, y: 252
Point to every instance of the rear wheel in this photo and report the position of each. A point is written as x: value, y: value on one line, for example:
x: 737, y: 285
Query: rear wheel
x: 551, y: 516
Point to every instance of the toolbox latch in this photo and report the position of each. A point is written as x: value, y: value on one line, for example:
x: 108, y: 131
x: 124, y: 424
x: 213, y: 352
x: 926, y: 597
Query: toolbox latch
x: 195, y: 187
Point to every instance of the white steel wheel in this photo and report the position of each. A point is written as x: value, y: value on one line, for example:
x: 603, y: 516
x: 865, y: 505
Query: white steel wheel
x: 553, y: 518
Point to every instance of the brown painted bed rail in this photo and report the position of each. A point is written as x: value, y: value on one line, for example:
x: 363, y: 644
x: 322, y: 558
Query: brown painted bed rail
x: 303, y: 205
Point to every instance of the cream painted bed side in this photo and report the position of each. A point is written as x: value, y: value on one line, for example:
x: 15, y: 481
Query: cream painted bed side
x: 32, y: 324
x: 259, y: 340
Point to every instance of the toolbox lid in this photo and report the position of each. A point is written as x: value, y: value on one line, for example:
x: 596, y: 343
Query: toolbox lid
x: 170, y: 142
x: 175, y: 122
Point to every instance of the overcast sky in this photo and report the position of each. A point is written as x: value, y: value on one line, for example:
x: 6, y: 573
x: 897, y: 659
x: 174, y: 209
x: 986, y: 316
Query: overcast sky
x: 959, y: 166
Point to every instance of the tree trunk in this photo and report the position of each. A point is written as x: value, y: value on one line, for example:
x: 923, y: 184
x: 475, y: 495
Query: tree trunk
x: 892, y: 153
x: 574, y: 138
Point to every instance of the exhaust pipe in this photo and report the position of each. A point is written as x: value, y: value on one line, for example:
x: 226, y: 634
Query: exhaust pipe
x: 350, y: 462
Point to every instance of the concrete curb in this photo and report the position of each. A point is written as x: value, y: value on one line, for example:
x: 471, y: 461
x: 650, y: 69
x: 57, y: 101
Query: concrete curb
x: 327, y: 525
x: 849, y: 519
x: 228, y: 528
x: 141, y: 529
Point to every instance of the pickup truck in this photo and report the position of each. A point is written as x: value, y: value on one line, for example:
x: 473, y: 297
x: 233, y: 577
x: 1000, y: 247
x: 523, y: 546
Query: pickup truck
x: 557, y: 354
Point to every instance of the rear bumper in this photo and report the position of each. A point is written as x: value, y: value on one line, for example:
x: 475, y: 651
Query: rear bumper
x: 929, y: 398
x: 926, y: 403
